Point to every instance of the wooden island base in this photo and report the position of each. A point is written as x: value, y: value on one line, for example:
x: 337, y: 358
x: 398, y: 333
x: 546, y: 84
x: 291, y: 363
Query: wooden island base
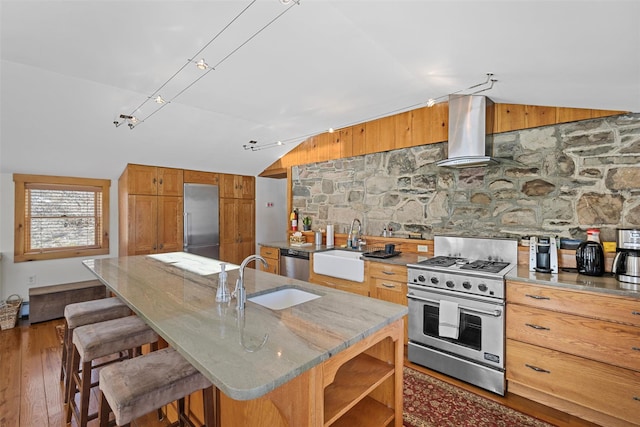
x: 360, y: 386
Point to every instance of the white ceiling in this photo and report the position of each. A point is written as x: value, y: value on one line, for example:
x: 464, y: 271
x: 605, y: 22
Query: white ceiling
x: 69, y: 68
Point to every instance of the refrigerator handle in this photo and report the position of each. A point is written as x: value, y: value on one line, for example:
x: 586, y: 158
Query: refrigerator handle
x: 186, y: 229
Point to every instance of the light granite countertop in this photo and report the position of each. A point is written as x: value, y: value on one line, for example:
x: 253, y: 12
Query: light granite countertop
x: 570, y: 279
x: 177, y: 299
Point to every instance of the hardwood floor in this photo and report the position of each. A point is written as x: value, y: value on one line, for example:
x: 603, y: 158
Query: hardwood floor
x: 31, y: 393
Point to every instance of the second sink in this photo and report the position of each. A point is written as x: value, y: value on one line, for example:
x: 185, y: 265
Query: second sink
x: 283, y: 298
x: 341, y: 264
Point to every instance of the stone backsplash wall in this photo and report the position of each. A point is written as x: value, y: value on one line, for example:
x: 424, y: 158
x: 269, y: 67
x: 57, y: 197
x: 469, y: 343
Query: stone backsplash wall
x: 555, y: 180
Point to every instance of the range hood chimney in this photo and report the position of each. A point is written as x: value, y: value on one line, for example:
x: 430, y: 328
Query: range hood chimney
x: 470, y: 132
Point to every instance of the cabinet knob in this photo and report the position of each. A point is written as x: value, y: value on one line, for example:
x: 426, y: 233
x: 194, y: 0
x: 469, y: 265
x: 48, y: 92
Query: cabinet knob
x: 389, y: 273
x: 388, y: 285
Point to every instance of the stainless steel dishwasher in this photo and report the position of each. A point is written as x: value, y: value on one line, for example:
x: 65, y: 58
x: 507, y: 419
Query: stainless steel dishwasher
x: 294, y: 264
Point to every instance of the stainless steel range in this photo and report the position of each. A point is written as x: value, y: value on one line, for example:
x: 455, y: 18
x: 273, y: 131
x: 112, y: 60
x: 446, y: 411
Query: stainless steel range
x: 456, y: 309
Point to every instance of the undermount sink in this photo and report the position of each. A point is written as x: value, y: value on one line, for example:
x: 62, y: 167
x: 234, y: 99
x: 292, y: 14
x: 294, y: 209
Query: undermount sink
x: 283, y: 298
x: 341, y: 264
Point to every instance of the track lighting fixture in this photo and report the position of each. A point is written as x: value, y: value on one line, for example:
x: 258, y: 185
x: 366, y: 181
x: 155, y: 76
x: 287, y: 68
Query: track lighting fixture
x: 130, y: 120
x: 200, y: 64
x: 488, y: 83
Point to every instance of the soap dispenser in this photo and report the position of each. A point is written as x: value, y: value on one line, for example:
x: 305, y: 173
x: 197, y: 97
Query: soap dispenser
x: 222, y: 295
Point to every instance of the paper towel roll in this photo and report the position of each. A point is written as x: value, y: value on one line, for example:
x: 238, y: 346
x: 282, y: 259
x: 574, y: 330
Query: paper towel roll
x: 329, y: 234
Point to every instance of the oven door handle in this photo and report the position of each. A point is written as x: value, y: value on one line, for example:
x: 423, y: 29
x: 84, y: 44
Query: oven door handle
x: 495, y: 313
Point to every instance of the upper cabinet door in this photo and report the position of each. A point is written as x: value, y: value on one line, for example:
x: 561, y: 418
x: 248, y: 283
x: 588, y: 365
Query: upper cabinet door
x: 170, y: 182
x: 142, y: 180
x: 237, y: 186
x: 152, y: 180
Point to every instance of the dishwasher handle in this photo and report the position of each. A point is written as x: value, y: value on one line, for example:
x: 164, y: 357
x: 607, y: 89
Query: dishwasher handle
x: 292, y: 253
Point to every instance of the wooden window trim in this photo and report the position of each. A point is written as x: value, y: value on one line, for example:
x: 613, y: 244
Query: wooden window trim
x: 21, y: 182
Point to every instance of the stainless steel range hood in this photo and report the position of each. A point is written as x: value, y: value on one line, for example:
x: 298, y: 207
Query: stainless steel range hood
x: 470, y: 132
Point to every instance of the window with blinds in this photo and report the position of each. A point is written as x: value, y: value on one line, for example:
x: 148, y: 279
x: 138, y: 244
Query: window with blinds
x: 60, y: 217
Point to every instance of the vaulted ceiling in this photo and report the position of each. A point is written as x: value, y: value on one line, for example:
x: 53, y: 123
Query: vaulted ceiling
x: 282, y: 72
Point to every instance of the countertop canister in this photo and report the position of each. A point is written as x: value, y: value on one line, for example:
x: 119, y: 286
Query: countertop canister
x: 329, y: 234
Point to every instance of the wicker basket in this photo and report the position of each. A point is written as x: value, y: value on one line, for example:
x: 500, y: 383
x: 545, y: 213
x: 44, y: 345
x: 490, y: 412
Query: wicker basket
x: 9, y: 311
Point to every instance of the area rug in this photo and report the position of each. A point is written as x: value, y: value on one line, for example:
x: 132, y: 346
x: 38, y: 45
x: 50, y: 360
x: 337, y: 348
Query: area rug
x: 429, y: 402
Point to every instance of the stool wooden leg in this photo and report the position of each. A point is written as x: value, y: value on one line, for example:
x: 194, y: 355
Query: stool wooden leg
x: 211, y: 402
x: 85, y: 392
x: 71, y: 389
x: 63, y: 365
x: 104, y: 411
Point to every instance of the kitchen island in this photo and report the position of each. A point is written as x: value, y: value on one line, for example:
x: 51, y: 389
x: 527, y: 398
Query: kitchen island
x: 330, y: 361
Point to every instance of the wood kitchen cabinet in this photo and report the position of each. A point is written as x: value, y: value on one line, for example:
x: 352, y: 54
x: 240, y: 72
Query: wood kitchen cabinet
x: 388, y: 282
x: 237, y: 229
x: 272, y: 256
x: 153, y: 180
x: 575, y: 351
x: 150, y: 210
x: 237, y: 186
x: 359, y: 386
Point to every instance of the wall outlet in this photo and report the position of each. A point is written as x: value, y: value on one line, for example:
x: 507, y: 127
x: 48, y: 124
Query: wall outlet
x: 423, y: 248
x: 31, y: 280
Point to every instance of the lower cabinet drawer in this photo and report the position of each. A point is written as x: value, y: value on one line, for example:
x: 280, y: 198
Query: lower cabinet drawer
x: 608, y: 342
x: 604, y: 388
x: 269, y: 252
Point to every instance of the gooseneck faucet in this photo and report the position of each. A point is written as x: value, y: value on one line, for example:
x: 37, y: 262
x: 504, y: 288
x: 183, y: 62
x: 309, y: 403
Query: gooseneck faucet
x: 354, y: 240
x: 240, y: 292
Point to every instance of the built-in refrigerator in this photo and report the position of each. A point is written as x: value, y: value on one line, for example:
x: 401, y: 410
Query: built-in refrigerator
x: 201, y: 220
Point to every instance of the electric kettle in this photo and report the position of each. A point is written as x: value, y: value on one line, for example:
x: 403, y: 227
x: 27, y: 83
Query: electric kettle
x: 590, y: 258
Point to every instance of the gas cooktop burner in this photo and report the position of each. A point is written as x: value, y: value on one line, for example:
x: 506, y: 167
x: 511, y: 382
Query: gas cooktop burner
x: 487, y: 266
x: 442, y: 261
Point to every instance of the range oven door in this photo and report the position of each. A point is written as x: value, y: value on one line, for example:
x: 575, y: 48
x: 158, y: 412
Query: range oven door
x: 481, y: 331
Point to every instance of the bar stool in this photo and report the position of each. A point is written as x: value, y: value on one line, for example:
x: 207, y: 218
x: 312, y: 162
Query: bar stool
x: 138, y: 386
x: 95, y: 341
x: 85, y: 313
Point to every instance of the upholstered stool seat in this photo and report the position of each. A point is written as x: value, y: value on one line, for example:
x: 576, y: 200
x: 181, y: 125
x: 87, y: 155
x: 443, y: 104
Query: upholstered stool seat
x: 138, y: 386
x: 95, y: 341
x: 86, y: 313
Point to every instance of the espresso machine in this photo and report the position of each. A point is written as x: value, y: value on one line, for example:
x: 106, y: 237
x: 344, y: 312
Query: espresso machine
x: 626, y: 264
x: 543, y: 255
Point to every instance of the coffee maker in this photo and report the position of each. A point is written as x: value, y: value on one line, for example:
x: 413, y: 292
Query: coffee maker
x: 543, y: 255
x: 626, y: 264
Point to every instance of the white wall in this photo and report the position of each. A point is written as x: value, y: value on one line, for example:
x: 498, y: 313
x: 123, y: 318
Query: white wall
x: 14, y: 277
x: 271, y: 222
x: 271, y: 225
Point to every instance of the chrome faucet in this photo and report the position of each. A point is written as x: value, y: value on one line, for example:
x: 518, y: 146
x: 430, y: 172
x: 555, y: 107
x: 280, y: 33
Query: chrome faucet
x: 354, y: 240
x: 240, y: 292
